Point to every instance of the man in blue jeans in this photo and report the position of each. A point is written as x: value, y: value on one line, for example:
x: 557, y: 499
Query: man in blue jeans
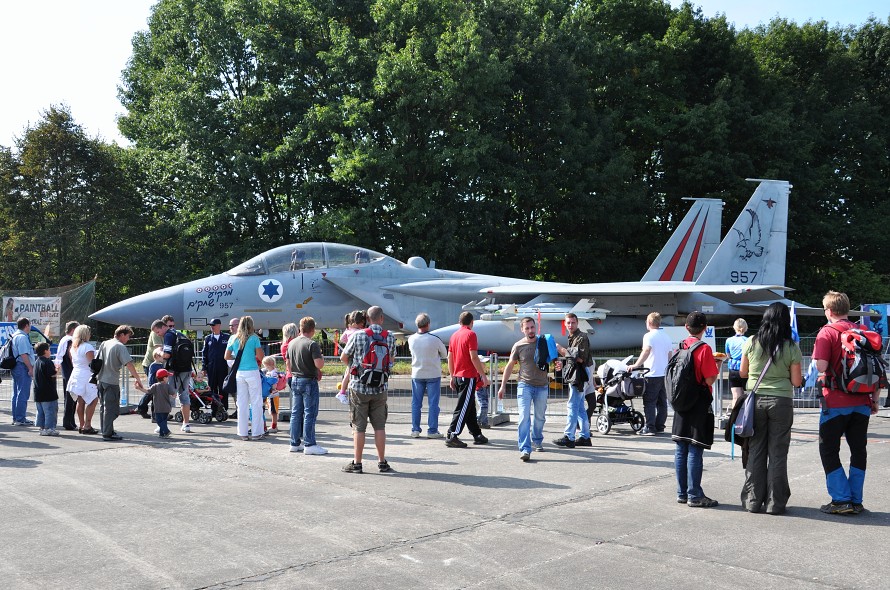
x: 576, y: 416
x: 427, y: 353
x: 532, y: 390
x: 693, y: 429
x: 304, y: 361
x: 22, y: 373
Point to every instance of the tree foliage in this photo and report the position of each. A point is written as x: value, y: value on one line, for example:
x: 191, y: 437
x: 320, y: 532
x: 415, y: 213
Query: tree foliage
x: 71, y: 211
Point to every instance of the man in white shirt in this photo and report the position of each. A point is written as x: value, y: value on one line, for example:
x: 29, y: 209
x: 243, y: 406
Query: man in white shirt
x: 654, y: 356
x: 63, y: 361
x: 427, y: 354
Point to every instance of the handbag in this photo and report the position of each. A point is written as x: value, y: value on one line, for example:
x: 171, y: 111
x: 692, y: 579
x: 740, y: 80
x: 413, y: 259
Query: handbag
x: 96, y: 366
x: 230, y: 386
x: 281, y: 384
x: 744, y: 423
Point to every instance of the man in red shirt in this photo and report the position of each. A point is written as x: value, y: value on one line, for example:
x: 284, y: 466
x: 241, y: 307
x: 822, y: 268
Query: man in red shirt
x: 693, y: 430
x: 466, y: 371
x: 843, y: 414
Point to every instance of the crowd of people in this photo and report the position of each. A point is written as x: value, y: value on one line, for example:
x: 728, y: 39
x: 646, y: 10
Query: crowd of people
x: 768, y: 362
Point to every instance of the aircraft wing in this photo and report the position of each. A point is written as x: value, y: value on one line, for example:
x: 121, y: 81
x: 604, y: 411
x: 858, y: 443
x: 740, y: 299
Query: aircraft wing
x: 806, y: 310
x: 728, y: 293
x: 368, y: 294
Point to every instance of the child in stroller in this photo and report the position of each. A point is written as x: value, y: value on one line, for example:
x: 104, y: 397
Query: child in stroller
x: 205, y: 404
x: 615, y: 394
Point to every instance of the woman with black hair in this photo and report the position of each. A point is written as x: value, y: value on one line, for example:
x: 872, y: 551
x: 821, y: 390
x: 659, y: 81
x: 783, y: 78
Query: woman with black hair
x: 766, y: 475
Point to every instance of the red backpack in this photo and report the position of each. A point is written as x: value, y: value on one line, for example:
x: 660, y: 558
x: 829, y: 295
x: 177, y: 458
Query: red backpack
x: 862, y: 367
x: 374, y: 370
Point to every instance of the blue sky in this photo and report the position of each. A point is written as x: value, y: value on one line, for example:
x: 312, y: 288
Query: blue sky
x: 73, y: 51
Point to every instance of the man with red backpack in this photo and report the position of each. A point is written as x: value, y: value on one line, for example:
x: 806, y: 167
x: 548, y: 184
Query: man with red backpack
x: 370, y: 353
x: 844, y: 413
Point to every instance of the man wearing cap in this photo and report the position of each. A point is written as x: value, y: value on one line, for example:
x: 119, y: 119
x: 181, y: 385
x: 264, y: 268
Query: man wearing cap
x: 115, y: 356
x: 182, y: 380
x: 213, y: 361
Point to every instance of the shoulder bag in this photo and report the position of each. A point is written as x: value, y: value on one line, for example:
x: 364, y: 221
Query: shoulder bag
x: 96, y: 365
x: 230, y: 386
x: 744, y: 423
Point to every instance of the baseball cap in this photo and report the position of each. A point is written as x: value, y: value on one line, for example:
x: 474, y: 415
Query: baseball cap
x: 215, y: 322
x: 163, y: 373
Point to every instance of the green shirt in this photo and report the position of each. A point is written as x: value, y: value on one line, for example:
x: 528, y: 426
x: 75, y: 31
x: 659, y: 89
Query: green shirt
x: 153, y: 342
x: 777, y: 380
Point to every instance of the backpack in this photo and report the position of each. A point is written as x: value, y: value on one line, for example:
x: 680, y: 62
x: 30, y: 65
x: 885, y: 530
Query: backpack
x: 862, y: 368
x: 680, y: 383
x: 182, y: 355
x: 374, y: 369
x: 7, y: 356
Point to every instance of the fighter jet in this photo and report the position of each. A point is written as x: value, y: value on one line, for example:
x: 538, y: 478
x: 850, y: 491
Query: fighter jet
x: 327, y: 280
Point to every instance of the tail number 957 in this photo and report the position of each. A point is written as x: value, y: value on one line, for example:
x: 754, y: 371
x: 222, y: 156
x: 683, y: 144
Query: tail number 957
x: 742, y: 276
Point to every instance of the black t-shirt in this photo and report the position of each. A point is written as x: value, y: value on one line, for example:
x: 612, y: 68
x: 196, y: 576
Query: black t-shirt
x: 44, y: 382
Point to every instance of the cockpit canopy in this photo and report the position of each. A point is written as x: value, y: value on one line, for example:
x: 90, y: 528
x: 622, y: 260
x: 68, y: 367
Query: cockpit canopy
x: 305, y: 256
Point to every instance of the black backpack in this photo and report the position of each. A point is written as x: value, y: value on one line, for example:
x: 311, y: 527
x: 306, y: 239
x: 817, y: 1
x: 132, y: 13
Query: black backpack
x: 7, y: 356
x: 680, y: 383
x: 182, y: 355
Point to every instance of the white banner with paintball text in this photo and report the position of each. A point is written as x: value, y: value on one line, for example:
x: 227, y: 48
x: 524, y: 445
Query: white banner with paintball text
x: 44, y: 312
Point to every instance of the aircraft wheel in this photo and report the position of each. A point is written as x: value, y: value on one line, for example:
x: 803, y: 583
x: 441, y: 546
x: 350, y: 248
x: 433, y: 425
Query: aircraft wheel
x: 637, y: 421
x: 177, y: 417
x: 604, y: 423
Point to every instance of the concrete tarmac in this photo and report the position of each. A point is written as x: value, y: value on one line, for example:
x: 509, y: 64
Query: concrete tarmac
x: 206, y: 510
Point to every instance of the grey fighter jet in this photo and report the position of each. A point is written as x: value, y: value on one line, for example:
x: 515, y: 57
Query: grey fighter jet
x: 694, y: 271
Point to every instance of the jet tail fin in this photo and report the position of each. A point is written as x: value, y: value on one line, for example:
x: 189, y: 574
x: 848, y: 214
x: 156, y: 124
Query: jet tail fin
x: 692, y: 244
x: 753, y: 251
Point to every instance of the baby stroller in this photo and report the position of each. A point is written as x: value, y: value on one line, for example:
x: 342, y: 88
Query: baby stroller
x: 213, y: 401
x: 202, y: 408
x: 615, y: 395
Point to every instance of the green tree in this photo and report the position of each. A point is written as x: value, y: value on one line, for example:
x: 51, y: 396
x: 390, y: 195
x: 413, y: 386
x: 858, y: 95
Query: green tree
x: 72, y: 211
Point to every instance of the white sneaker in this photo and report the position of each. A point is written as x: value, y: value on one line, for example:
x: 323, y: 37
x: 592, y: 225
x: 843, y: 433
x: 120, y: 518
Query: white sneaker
x: 44, y: 432
x: 157, y: 430
x: 315, y: 450
x: 53, y: 432
x: 435, y: 435
x: 186, y: 427
x: 297, y: 448
x: 415, y: 434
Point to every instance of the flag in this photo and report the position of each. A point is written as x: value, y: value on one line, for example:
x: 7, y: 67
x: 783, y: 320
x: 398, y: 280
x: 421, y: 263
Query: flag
x: 794, y: 334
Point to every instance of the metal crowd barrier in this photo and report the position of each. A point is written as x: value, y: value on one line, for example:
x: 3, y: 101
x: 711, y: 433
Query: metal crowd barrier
x: 399, y: 392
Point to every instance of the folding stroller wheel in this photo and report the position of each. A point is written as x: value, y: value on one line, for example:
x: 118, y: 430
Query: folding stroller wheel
x: 604, y: 423
x: 206, y: 418
x: 637, y: 421
x: 177, y: 417
x: 196, y: 415
x: 221, y: 415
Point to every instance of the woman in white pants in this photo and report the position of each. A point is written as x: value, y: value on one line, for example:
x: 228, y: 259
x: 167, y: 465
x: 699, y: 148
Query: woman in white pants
x: 247, y: 378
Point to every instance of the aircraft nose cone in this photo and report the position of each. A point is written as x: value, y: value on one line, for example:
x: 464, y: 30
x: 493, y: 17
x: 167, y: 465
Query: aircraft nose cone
x: 142, y: 310
x: 444, y: 334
